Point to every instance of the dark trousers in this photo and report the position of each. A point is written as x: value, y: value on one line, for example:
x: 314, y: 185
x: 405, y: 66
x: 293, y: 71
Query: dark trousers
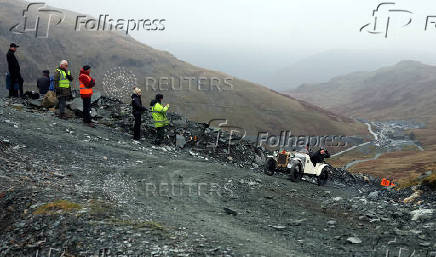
x: 160, y: 135
x: 86, y: 110
x: 21, y: 83
x: 62, y: 104
x: 137, y: 127
x: 12, y: 91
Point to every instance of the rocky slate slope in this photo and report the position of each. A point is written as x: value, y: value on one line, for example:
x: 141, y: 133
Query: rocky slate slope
x: 77, y: 191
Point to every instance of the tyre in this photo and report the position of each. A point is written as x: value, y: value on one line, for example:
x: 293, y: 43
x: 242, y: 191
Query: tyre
x: 270, y: 167
x: 323, y: 177
x: 295, y: 173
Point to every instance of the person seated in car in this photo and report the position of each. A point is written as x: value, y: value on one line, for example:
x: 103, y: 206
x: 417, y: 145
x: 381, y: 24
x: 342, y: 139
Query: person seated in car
x: 319, y: 156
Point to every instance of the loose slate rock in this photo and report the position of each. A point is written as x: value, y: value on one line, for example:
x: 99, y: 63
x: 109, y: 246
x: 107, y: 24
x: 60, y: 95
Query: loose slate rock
x: 279, y: 227
x: 76, y: 105
x: 230, y: 211
x: 180, y: 141
x: 331, y: 222
x: 95, y: 97
x: 354, y: 240
x: 36, y: 103
x: 373, y: 195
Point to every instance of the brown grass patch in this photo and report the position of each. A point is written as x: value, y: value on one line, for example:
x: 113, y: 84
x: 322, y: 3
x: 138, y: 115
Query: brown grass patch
x: 399, y: 166
x: 56, y: 207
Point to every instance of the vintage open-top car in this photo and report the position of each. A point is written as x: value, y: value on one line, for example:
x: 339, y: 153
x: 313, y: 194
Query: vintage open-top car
x: 297, y: 164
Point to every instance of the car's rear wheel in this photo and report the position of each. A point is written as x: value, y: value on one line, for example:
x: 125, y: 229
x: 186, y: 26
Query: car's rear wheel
x: 270, y: 167
x: 295, y: 173
x: 323, y: 177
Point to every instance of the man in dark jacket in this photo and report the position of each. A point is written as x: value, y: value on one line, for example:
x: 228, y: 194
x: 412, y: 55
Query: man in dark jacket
x: 14, y: 71
x: 319, y: 156
x: 137, y: 110
x: 43, y: 83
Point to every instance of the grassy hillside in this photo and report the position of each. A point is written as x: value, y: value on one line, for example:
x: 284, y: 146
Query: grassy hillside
x: 247, y: 105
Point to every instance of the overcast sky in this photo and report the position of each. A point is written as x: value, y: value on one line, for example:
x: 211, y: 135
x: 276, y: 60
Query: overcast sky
x: 280, y: 32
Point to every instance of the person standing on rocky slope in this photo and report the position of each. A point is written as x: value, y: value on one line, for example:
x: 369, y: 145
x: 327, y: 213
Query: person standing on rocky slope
x: 14, y: 71
x: 62, y: 81
x: 86, y: 85
x: 137, y: 109
x: 159, y: 113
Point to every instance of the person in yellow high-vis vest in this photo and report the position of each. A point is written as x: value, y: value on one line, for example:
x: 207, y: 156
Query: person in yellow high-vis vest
x: 159, y: 113
x: 62, y: 81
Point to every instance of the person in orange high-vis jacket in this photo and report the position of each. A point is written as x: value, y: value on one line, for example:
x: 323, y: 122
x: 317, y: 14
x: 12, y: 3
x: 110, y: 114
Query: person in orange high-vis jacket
x: 86, y: 85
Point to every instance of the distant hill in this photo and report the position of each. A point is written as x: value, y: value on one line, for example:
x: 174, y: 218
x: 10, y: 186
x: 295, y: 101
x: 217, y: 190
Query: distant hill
x: 248, y: 105
x: 329, y: 64
x: 404, y: 91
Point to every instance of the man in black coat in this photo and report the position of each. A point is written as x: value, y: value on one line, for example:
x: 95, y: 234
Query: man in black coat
x: 319, y: 156
x: 43, y: 82
x: 137, y: 110
x: 14, y: 70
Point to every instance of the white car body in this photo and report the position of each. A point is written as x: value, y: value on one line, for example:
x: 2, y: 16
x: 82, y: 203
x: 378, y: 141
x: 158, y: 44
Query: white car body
x: 306, y: 164
x: 297, y: 164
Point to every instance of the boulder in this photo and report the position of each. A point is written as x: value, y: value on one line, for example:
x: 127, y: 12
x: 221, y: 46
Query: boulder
x: 421, y: 214
x: 180, y: 141
x: 76, y: 105
x: 93, y: 113
x: 413, y: 197
x: 95, y: 97
x: 373, y: 195
x: 179, y: 123
x: 36, y: 103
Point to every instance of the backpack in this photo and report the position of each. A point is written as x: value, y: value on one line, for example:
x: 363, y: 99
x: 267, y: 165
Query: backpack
x: 49, y: 100
x: 51, y: 88
x: 31, y: 95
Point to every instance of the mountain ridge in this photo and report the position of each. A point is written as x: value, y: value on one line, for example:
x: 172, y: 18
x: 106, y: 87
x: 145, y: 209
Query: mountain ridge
x: 106, y: 50
x: 402, y: 91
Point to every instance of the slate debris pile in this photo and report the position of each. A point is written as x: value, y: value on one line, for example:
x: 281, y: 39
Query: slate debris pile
x: 199, y: 139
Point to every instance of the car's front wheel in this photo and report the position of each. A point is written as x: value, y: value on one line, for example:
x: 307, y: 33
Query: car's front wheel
x: 295, y: 173
x: 323, y: 177
x: 270, y: 167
